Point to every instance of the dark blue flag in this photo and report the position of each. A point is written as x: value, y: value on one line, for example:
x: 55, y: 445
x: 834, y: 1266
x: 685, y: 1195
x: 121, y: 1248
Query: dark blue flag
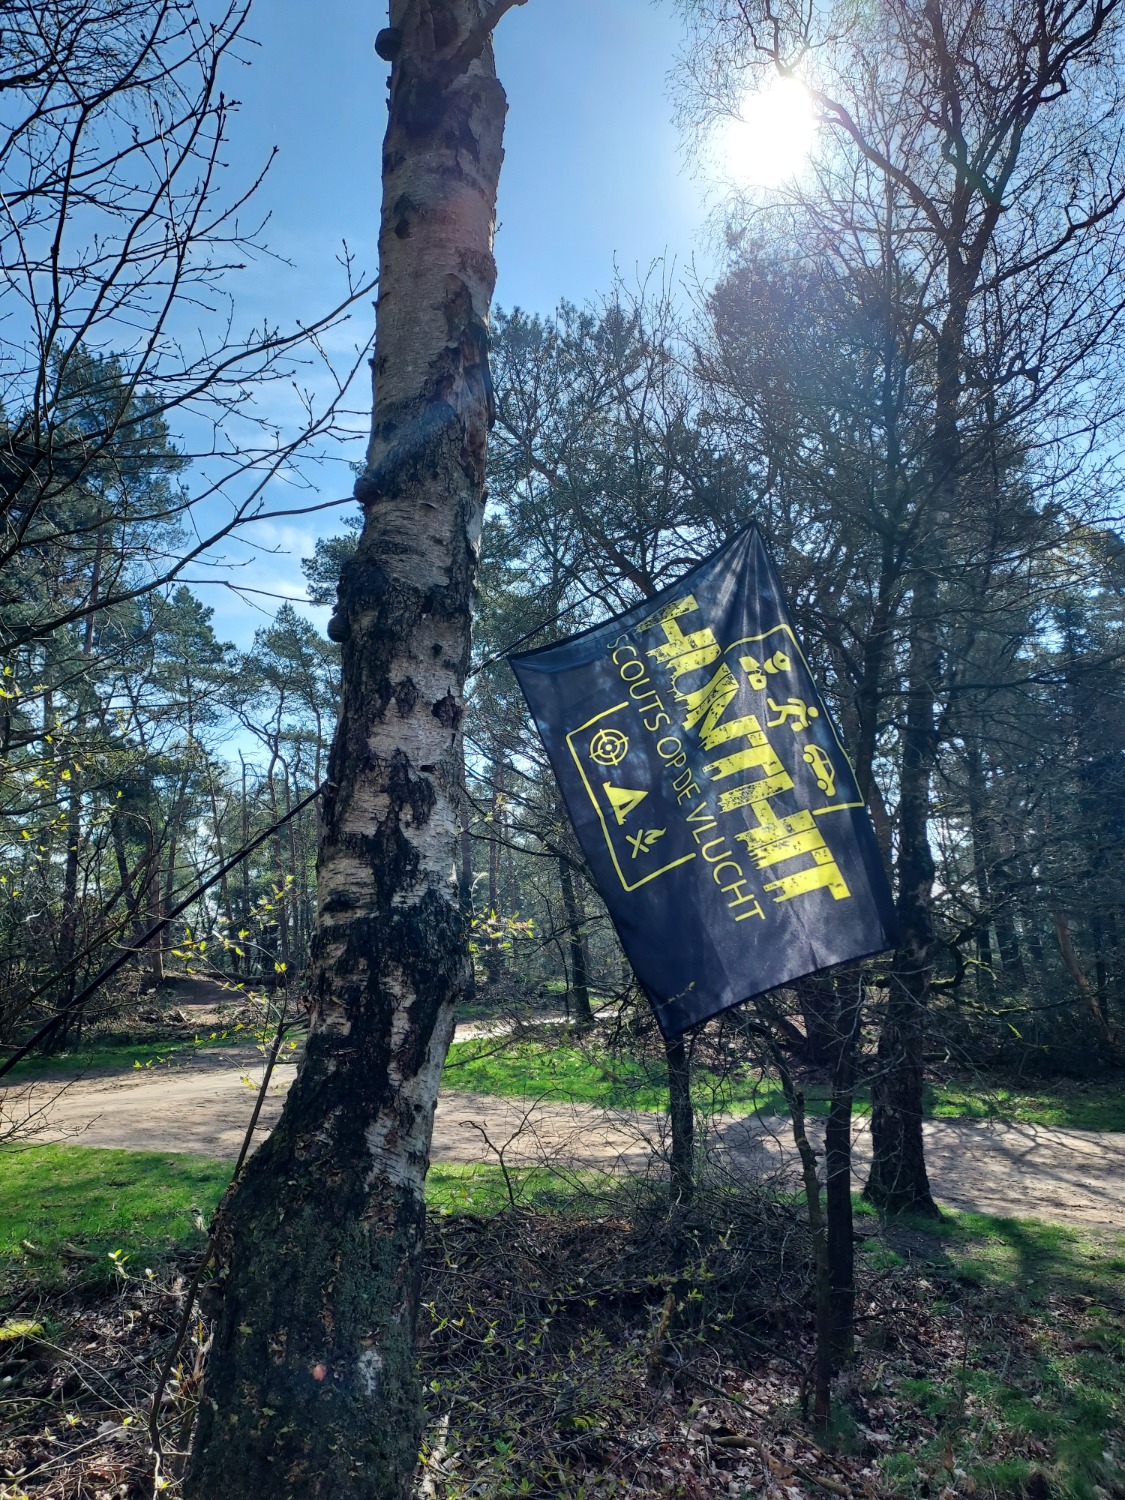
x: 710, y: 791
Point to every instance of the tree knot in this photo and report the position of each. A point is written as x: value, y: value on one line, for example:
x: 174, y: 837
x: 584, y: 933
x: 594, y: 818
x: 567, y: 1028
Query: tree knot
x: 447, y: 711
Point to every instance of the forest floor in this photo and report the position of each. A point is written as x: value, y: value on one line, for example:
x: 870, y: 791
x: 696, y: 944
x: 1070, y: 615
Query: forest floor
x: 991, y: 1360
x: 200, y: 1102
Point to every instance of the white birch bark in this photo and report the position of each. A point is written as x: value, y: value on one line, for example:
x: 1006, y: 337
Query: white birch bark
x: 311, y: 1389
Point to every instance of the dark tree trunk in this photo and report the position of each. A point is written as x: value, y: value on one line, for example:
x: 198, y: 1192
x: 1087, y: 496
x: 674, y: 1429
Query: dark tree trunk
x: 1034, y: 938
x: 153, y: 905
x: 311, y: 1389
x: 1074, y: 968
x: 579, y: 979
x: 224, y: 886
x: 868, y: 693
x: 494, y: 953
x: 465, y: 869
x: 495, y: 830
x: 898, y: 1181
x: 824, y: 1357
x: 838, y: 1170
x: 1117, y: 958
x: 283, y: 899
x: 982, y: 861
x: 1005, y: 899
x: 1007, y: 938
x: 1101, y: 969
x: 816, y: 994
x: 68, y: 928
x: 682, y: 1120
x: 117, y: 835
x: 1027, y: 894
x: 465, y: 873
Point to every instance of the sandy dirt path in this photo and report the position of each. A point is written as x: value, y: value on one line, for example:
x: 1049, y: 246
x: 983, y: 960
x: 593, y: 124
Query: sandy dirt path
x: 203, y: 1106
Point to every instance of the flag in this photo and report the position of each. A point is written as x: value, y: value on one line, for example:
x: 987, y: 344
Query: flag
x: 710, y: 791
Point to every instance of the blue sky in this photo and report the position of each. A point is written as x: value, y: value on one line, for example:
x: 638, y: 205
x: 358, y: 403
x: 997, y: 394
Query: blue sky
x: 593, y: 177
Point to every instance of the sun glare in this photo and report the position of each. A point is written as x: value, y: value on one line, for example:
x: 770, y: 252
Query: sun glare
x: 771, y: 139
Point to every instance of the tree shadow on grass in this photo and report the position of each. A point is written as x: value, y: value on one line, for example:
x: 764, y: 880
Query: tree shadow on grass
x: 1026, y: 1257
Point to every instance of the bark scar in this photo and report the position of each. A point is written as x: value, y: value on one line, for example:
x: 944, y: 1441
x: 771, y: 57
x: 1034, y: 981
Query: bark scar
x: 447, y: 711
x: 405, y: 695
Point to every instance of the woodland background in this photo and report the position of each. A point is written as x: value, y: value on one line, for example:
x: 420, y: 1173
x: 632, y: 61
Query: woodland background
x: 906, y: 369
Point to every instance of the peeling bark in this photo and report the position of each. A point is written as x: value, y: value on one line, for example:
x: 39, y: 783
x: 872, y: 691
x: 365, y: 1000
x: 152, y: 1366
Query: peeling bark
x: 311, y: 1390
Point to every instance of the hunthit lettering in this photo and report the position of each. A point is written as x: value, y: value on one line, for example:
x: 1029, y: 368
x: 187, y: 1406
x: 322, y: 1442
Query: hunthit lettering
x: 745, y: 748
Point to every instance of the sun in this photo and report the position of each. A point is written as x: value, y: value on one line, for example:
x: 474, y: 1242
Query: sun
x: 771, y: 139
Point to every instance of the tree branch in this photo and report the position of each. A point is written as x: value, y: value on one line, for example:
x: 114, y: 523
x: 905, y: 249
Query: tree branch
x: 473, y: 45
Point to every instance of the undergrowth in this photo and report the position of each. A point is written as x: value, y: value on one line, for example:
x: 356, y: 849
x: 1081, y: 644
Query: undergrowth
x: 590, y: 1341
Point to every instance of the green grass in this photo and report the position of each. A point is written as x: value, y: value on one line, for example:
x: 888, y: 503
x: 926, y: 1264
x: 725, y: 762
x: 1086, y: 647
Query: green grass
x: 1026, y: 1256
x: 65, y: 1198
x: 533, y: 1069
x: 553, y: 1070
x: 1095, y: 1104
x: 1054, y: 1401
x: 482, y: 1189
x: 1042, y: 1384
x: 113, y: 1056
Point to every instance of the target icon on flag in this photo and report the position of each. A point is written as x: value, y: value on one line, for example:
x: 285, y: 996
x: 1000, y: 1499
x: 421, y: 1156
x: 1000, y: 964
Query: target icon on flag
x: 609, y: 747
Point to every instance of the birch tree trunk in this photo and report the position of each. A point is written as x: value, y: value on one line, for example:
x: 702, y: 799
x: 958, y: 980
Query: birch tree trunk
x: 311, y: 1390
